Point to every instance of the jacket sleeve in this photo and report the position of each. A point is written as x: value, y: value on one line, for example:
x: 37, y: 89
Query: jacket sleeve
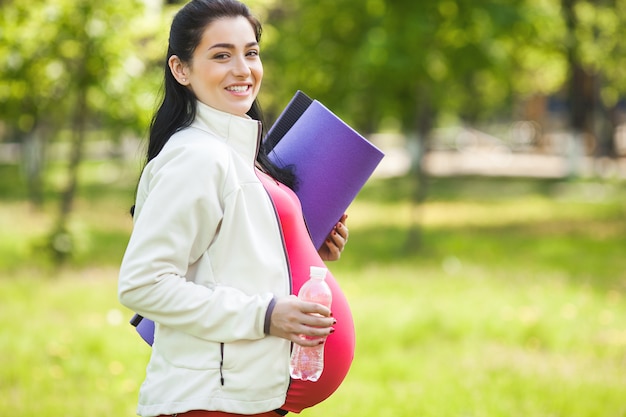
x: 174, y: 226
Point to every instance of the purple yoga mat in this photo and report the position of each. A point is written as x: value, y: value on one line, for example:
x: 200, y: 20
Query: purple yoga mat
x: 145, y: 328
x: 332, y: 162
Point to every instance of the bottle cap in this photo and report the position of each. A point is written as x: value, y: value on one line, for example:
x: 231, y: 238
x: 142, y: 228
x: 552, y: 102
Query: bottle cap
x: 318, y: 272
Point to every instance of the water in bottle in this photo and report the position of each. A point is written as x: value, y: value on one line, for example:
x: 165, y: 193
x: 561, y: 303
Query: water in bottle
x: 307, y: 363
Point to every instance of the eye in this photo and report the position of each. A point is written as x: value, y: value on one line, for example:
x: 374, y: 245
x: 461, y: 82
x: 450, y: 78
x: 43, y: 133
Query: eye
x: 221, y: 56
x: 253, y: 53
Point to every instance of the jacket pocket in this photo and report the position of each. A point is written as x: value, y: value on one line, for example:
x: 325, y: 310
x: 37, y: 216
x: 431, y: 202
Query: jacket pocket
x: 185, y: 351
x: 265, y: 361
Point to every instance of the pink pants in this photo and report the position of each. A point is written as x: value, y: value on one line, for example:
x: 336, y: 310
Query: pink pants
x: 204, y: 413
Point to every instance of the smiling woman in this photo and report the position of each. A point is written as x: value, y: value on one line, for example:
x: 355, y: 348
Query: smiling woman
x: 210, y: 260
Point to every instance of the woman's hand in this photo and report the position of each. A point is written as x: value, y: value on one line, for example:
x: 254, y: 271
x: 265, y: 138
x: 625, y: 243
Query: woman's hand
x: 293, y: 317
x: 335, y: 242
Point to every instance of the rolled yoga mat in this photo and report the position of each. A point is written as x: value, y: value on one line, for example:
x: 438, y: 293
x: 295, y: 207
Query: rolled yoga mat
x: 331, y: 161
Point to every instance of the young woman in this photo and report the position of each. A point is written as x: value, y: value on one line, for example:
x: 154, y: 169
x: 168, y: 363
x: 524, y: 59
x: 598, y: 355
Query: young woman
x: 207, y: 260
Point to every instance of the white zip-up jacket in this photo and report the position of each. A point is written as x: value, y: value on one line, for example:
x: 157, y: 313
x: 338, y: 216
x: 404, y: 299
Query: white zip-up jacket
x: 204, y: 262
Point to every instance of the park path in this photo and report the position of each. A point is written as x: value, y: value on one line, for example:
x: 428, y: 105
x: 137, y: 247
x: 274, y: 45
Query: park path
x: 496, y: 162
x: 487, y: 161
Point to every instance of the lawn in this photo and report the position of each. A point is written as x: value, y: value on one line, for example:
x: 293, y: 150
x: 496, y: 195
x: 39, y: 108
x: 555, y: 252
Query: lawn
x: 513, y: 305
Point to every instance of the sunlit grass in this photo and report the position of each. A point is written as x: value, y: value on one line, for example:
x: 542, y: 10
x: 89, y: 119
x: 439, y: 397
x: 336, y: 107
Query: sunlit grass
x: 67, y: 349
x: 513, y: 305
x: 481, y: 344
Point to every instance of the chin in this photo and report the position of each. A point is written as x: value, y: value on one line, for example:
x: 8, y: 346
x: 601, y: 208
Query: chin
x: 241, y: 110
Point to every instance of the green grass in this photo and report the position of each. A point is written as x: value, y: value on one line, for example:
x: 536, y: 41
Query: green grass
x: 514, y: 304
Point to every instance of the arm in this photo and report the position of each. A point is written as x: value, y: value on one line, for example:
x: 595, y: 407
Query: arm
x: 175, y: 224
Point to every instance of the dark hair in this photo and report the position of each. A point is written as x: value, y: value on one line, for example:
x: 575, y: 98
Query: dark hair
x: 285, y: 175
x: 178, y: 108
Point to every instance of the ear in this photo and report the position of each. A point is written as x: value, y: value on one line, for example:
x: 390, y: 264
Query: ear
x: 179, y: 70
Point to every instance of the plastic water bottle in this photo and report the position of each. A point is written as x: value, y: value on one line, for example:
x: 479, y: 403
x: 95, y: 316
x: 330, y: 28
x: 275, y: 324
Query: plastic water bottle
x: 307, y: 363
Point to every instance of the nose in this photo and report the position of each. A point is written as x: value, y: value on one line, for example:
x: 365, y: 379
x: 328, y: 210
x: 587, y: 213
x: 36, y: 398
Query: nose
x: 241, y: 67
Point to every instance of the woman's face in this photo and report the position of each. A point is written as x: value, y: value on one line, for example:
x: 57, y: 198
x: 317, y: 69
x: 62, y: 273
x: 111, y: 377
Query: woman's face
x: 226, y: 70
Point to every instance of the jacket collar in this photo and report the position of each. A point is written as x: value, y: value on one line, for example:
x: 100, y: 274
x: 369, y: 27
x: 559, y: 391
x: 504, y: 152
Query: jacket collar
x: 240, y: 133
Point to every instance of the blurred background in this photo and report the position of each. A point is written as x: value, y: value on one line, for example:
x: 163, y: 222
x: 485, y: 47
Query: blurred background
x: 486, y: 263
x: 523, y: 87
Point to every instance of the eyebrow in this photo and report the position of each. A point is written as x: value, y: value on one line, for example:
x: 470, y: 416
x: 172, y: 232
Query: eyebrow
x: 231, y: 46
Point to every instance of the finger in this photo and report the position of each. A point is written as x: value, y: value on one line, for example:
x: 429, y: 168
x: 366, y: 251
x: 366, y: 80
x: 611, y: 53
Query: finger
x: 309, y: 308
x: 311, y: 335
x: 308, y: 342
x: 316, y: 322
x: 342, y: 231
x: 317, y: 317
x: 315, y: 332
x: 341, y: 224
x: 332, y: 251
x: 338, y: 240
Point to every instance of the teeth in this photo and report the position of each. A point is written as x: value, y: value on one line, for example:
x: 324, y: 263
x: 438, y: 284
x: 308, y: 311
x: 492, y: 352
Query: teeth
x: 238, y: 88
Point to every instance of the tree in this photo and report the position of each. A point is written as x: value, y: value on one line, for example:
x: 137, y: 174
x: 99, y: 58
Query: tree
x: 402, y: 61
x: 596, y: 58
x: 73, y: 66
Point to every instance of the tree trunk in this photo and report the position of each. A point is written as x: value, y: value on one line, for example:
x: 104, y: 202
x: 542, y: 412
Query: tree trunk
x: 61, y: 239
x: 33, y: 157
x: 423, y: 127
x: 580, y: 93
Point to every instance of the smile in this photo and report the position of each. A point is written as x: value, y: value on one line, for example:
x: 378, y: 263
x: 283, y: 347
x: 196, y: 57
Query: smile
x: 238, y: 88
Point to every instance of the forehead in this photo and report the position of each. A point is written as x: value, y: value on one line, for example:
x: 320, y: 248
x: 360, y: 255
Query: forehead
x: 230, y: 30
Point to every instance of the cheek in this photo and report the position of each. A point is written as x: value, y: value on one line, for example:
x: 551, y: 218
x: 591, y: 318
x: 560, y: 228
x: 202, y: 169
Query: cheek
x: 258, y: 71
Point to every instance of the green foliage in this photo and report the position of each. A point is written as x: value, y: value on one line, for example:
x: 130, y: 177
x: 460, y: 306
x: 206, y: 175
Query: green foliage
x: 382, y: 64
x: 390, y: 60
x: 377, y: 63
x: 55, y: 48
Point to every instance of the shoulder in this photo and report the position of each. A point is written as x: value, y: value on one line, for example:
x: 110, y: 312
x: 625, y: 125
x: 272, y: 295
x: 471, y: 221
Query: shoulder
x: 192, y: 150
x: 196, y: 141
x: 192, y: 168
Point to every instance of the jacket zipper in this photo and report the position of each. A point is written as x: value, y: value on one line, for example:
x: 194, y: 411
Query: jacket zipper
x: 282, y: 239
x: 280, y: 229
x: 222, y: 363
